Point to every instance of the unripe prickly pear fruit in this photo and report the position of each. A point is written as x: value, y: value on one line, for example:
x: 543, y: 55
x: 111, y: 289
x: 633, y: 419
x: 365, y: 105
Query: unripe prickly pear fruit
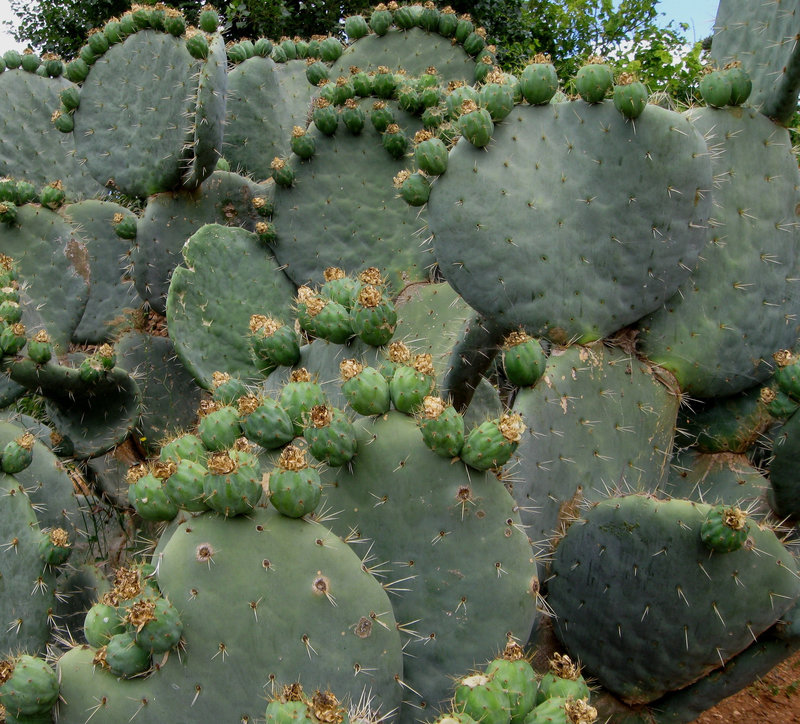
x: 380, y: 20
x: 18, y: 454
x: 594, y: 80
x: 8, y: 212
x: 146, y: 491
x: 273, y: 344
x: 415, y: 189
x: 430, y: 153
x: 226, y: 389
x: 475, y: 124
x: 483, y: 699
x: 374, y: 318
x: 265, y: 422
x: 331, y: 437
x: 630, y: 96
x: 123, y: 656
x: 563, y: 680
x: 339, y: 287
x: 156, y: 623
x: 52, y: 196
x: 294, y: 487
x: 366, y: 389
x: 208, y: 21
x: 28, y: 687
x: 561, y: 710
x: 12, y: 337
x: 491, y: 444
x: 355, y: 27
x: 185, y: 485
x: 282, y: 173
x: 325, y: 116
x: 381, y: 116
x: 298, y: 396
x: 442, y: 427
x: 353, y: 116
x: 394, y: 141
x: 410, y: 384
x: 524, y: 359
x: 232, y: 485
x: 715, y: 88
x: 539, y: 81
x: 40, y: 350
x: 124, y: 226
x: 725, y: 529
x: 517, y: 678
x: 183, y: 447
x: 219, y: 426
x: 101, y: 623
x: 741, y: 85
x: 54, y: 547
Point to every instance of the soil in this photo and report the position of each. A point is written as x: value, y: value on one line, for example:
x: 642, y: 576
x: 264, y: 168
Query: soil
x: 773, y: 699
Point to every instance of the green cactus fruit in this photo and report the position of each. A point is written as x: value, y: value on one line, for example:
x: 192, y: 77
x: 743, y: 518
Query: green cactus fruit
x: 339, y: 287
x: 156, y: 623
x: 380, y: 20
x: 516, y: 676
x: 409, y: 100
x: 594, y: 80
x: 289, y: 49
x: 715, y: 88
x: 455, y: 717
x: 316, y: 71
x: 30, y: 61
x: 325, y: 116
x: 102, y: 621
x: 226, y: 389
x: 430, y: 153
x: 18, y: 454
x: 564, y: 679
x: 273, y: 344
x: 174, y: 22
x: 483, y: 68
x: 8, y: 190
x: 475, y: 124
x: 265, y: 422
x: 10, y: 311
x: 415, y: 189
x: 146, y: 492
x: 70, y: 97
x: 365, y: 388
x: 725, y: 529
x: 497, y: 97
x: 8, y: 212
x: 787, y: 372
x: 232, y: 485
x: 374, y: 317
x: 491, y: 444
x: 298, y: 396
x: 448, y: 21
x: 12, y: 337
x: 355, y: 27
x: 483, y: 699
x: 343, y: 91
x: 456, y: 97
x: 278, y: 54
x: 28, y: 687
x: 263, y: 47
x: 323, y: 317
x: 294, y: 487
x: 185, y: 486
x: 404, y: 17
x: 411, y: 383
x: 52, y: 196
x: 381, y: 116
x: 55, y: 547
x: 442, y: 427
x: 12, y: 59
x: 77, y: 70
x: 208, y: 21
x: 197, y: 45
x: 560, y: 710
x: 330, y: 49
x: 219, y: 427
x: 524, y: 359
x: 40, y: 349
x: 475, y: 42
x: 630, y: 96
x: 63, y: 121
x: 353, y: 116
x: 183, y: 447
x: 125, y: 225
x: 303, y: 144
x: 362, y: 83
x: 123, y: 656
x: 98, y: 42
x: 330, y: 435
x: 282, y: 173
x: 114, y: 32
x: 327, y: 91
x: 394, y: 141
x: 741, y: 84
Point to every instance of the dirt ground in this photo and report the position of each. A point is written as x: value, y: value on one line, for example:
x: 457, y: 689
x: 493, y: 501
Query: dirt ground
x: 774, y: 699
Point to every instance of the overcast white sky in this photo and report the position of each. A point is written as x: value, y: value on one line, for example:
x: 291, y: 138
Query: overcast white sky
x: 698, y: 13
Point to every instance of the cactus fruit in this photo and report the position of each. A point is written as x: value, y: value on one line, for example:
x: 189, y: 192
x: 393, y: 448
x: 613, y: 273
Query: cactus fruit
x: 294, y: 486
x: 725, y: 529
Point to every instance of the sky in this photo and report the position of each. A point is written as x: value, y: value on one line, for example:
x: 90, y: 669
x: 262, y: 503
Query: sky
x: 699, y: 14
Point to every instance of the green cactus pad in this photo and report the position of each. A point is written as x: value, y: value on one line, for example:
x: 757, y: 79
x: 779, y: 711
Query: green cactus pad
x: 136, y: 128
x: 27, y: 585
x: 598, y: 420
x: 665, y: 612
x: 552, y: 173
x: 438, y: 587
x: 30, y: 145
x: 297, y: 607
x: 227, y: 277
x: 412, y: 50
x: 55, y: 265
x: 111, y: 293
x: 718, y: 333
x: 265, y: 101
x: 170, y: 218
x: 348, y: 217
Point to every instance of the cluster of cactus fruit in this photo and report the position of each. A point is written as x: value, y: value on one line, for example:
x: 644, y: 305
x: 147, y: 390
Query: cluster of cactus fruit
x: 386, y: 355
